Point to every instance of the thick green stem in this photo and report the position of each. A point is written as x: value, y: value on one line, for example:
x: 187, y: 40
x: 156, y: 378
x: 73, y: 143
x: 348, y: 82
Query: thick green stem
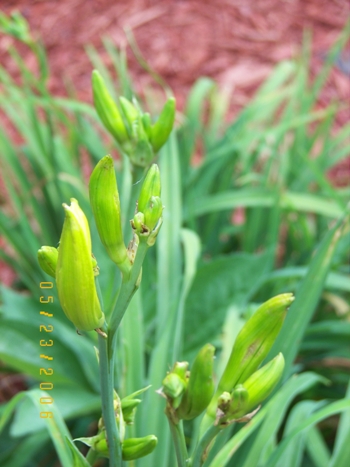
x: 106, y: 377
x: 179, y: 443
x: 128, y: 288
x: 200, y: 453
x: 107, y: 348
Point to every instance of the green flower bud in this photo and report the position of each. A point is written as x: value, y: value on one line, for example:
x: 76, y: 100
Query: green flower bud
x: 261, y: 383
x: 163, y: 126
x: 180, y: 369
x: 150, y: 206
x: 200, y: 386
x: 104, y: 200
x: 129, y: 407
x: 74, y: 273
x: 153, y: 212
x: 252, y: 344
x: 150, y: 187
x: 147, y: 124
x: 47, y: 257
x: 132, y: 448
x: 129, y: 110
x: 233, y: 406
x: 239, y: 401
x: 95, y: 267
x: 142, y: 152
x: 174, y: 387
x: 138, y: 223
x: 224, y: 402
x: 107, y: 109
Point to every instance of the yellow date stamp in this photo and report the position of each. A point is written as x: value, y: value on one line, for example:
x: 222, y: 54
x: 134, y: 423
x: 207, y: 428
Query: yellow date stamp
x: 45, y: 342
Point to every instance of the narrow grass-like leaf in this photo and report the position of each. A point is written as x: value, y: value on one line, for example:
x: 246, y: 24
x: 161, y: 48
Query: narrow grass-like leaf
x: 332, y: 409
x: 303, y: 202
x: 293, y: 454
x: 56, y: 426
x: 78, y: 459
x: 341, y: 452
x: 317, y: 448
x: 307, y: 297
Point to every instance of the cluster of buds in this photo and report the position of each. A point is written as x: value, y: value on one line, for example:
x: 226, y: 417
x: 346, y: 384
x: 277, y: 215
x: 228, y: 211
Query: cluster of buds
x: 148, y: 217
x: 73, y: 265
x: 188, y: 393
x: 243, y: 386
x: 131, y: 128
x: 74, y: 268
x: 132, y: 448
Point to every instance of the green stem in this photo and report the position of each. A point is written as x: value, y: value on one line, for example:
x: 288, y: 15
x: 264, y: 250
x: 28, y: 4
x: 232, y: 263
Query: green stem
x: 199, y: 456
x: 107, y: 396
x: 179, y: 442
x: 107, y: 348
x: 127, y: 290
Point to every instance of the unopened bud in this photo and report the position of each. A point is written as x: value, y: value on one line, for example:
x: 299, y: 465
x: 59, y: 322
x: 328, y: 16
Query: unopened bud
x: 150, y: 187
x: 74, y: 273
x: 261, y: 383
x: 200, y: 386
x: 174, y: 387
x: 163, y: 126
x: 104, y: 199
x: 107, y: 109
x: 135, y: 448
x: 47, y: 257
x: 153, y: 212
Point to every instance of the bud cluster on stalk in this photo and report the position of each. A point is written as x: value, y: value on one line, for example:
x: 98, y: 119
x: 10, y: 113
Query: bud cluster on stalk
x: 148, y: 217
x: 73, y: 265
x: 74, y: 268
x: 188, y: 393
x: 132, y: 129
x: 132, y: 448
x: 243, y: 385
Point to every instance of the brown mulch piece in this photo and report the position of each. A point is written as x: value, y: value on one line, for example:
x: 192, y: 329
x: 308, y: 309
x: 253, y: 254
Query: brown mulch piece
x: 236, y: 42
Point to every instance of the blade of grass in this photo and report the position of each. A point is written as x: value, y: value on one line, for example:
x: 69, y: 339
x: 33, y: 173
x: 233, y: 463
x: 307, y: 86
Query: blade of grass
x: 317, y: 448
x: 56, y: 426
x: 332, y: 409
x: 307, y: 297
x: 341, y: 452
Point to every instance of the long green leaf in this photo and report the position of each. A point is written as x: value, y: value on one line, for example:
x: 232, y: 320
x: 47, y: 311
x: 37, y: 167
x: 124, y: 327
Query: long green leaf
x: 307, y: 297
x: 341, y: 452
x: 332, y: 409
x: 56, y: 426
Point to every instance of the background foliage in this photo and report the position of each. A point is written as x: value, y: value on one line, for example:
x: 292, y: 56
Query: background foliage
x: 255, y: 216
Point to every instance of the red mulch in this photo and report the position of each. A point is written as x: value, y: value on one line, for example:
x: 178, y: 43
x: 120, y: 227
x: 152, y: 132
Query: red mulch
x: 237, y: 42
